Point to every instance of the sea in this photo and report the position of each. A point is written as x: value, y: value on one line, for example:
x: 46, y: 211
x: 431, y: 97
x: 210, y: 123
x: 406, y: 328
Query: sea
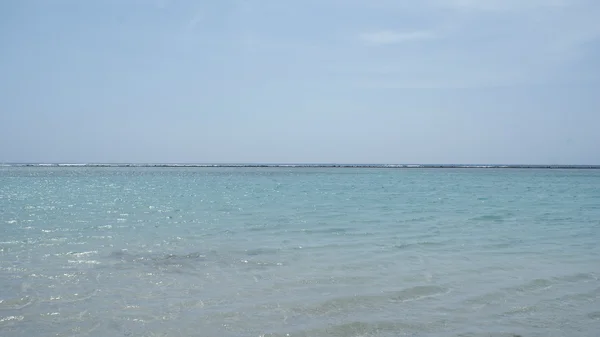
x: 299, y: 251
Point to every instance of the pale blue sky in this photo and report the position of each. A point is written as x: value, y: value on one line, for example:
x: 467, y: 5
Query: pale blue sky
x: 321, y: 81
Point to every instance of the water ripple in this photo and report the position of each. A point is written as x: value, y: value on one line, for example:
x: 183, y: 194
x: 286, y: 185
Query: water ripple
x: 298, y: 252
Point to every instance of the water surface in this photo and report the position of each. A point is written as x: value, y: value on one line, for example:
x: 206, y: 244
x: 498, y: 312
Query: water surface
x: 188, y: 251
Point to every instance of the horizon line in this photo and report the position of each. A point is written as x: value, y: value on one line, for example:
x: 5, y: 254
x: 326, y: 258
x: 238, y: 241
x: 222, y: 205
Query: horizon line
x: 298, y: 165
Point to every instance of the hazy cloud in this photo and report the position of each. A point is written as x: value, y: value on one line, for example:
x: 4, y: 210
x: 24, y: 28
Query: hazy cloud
x: 195, y: 20
x: 504, y: 5
x: 365, y: 81
x: 385, y: 37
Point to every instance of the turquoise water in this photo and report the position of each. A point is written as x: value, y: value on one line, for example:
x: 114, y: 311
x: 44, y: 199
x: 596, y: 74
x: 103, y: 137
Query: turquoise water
x: 299, y: 252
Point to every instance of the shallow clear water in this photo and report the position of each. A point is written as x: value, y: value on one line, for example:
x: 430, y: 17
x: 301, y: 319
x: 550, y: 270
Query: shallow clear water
x: 299, y: 252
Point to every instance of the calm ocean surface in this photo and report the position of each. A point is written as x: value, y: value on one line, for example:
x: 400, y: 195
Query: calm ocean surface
x: 299, y: 252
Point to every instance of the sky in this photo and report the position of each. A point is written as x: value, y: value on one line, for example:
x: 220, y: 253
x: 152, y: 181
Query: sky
x: 300, y: 81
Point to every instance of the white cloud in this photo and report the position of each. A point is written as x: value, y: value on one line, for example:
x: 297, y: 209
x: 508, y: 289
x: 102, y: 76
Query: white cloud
x: 194, y: 21
x: 503, y: 5
x: 485, y: 43
x: 161, y: 4
x: 385, y: 37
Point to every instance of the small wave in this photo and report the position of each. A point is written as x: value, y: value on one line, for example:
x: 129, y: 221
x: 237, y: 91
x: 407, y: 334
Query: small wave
x: 594, y: 315
x: 82, y: 254
x: 82, y: 329
x: 190, y: 256
x: 348, y: 303
x: 99, y: 237
x: 345, y: 280
x: 490, y: 217
x: 489, y: 334
x: 260, y: 228
x: 417, y: 219
x: 10, y: 242
x: 418, y: 292
x: 158, y: 261
x: 578, y: 277
x: 11, y: 319
x: 50, y: 315
x: 580, y: 296
x: 501, y: 294
x: 419, y: 244
x: 83, y: 262
x: 361, y: 329
x: 253, y: 264
x: 190, y: 304
x: 326, y: 231
x: 520, y: 310
x: 138, y: 317
x: 16, y: 303
x: 535, y: 285
x: 261, y: 251
x: 502, y: 245
x: 367, y: 328
x: 76, y: 297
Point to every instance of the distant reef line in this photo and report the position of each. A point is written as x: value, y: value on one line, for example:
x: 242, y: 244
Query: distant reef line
x: 389, y: 166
